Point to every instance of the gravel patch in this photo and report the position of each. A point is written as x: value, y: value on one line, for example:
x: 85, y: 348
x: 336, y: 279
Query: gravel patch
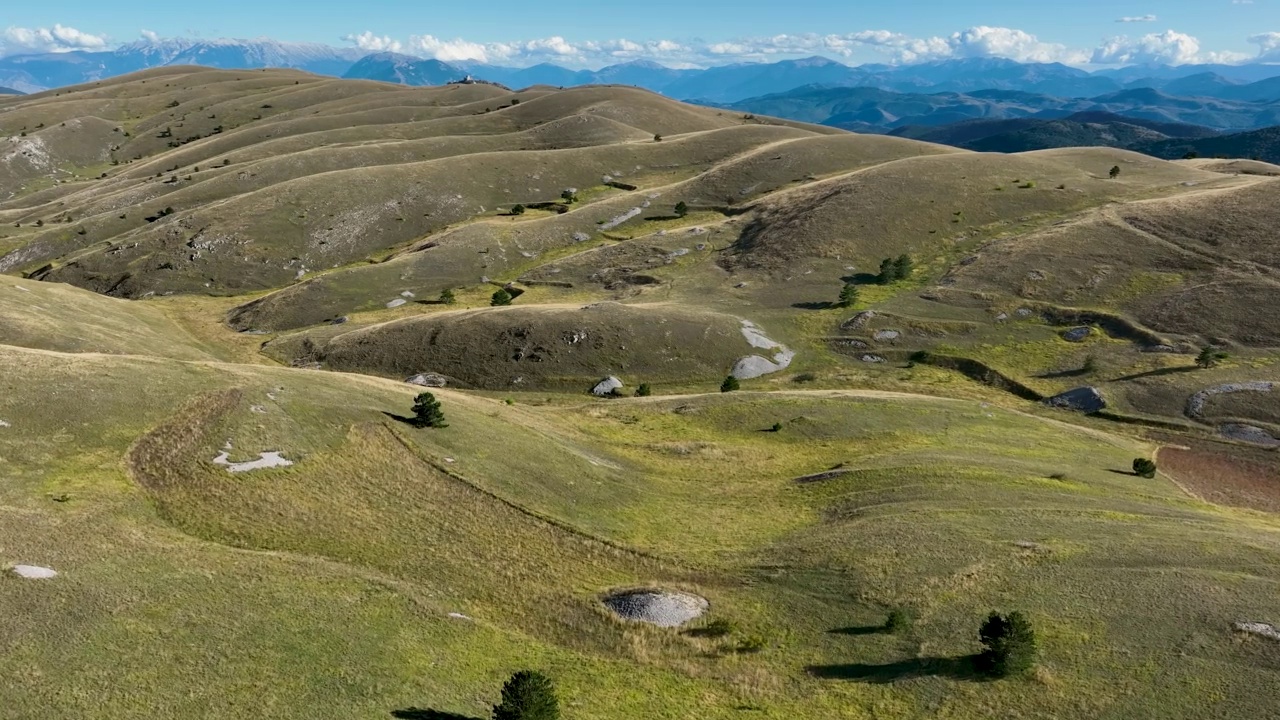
x: 265, y: 460
x: 657, y: 607
x: 857, y: 322
x: 1265, y: 630
x: 1195, y: 403
x: 887, y: 335
x: 872, y: 359
x: 1079, y: 334
x: 34, y: 572
x: 1248, y: 433
x: 615, y: 222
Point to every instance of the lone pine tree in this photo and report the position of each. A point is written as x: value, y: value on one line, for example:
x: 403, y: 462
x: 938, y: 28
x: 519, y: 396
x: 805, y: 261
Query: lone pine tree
x: 427, y: 412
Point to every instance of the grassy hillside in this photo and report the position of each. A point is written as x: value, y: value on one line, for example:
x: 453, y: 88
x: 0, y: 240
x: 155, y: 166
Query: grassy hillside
x: 205, y: 431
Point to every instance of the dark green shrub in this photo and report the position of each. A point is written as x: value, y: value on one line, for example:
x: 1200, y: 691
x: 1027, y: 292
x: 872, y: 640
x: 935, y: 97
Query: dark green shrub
x: 528, y: 695
x: 848, y: 296
x: 681, y: 209
x: 752, y: 644
x: 1011, y: 645
x: 1144, y: 467
x: 447, y: 297
x: 644, y: 390
x: 517, y: 209
x: 899, y: 621
x: 500, y: 298
x: 730, y: 384
x: 903, y: 267
x: 720, y: 627
x: 1210, y: 357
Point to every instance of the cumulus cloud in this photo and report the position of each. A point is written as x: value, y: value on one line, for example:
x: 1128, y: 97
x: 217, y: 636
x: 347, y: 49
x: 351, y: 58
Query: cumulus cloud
x: 150, y: 36
x: 373, y: 43
x: 1169, y: 47
x: 1138, y: 18
x: 59, y: 38
x: 1268, y: 46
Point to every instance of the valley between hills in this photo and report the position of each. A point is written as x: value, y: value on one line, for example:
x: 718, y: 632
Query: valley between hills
x: 803, y: 376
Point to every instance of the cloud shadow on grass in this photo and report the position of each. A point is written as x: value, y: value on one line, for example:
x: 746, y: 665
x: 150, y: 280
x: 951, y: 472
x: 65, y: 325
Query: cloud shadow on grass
x: 961, y: 667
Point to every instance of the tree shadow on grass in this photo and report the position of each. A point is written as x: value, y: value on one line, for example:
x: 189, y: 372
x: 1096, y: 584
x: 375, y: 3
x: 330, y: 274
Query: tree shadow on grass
x: 1158, y: 373
x: 414, y: 713
x: 962, y: 667
x: 1126, y: 473
x: 860, y: 630
x: 813, y: 305
x: 862, y: 279
x: 1063, y: 374
x: 412, y: 422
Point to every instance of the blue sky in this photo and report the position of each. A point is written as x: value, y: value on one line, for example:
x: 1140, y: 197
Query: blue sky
x: 690, y: 33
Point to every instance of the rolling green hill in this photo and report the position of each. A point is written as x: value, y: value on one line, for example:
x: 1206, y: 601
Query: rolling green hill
x: 215, y: 285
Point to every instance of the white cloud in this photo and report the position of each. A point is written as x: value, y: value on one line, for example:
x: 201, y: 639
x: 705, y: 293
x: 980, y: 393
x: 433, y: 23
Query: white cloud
x: 1268, y: 46
x: 59, y: 38
x: 453, y: 50
x: 1169, y: 47
x: 150, y: 36
x: 1017, y: 45
x: 373, y: 43
x: 1138, y: 18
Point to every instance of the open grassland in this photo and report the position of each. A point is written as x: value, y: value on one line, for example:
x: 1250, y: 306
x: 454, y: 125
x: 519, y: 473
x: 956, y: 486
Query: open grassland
x: 364, y: 546
x: 284, y: 241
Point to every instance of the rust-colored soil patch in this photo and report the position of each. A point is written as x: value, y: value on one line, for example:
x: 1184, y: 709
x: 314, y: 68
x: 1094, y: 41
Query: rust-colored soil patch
x: 1226, y: 474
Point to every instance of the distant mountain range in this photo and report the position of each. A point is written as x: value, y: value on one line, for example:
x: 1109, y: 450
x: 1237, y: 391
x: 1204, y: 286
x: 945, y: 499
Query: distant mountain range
x: 723, y: 84
x: 33, y: 73
x: 9, y: 91
x: 1099, y: 129
x: 878, y: 110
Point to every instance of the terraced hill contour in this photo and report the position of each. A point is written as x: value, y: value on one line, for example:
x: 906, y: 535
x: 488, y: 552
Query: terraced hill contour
x: 216, y: 283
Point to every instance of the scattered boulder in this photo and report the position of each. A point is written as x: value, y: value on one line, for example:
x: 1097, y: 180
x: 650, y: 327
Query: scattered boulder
x: 1079, y: 334
x: 872, y: 359
x: 397, y: 303
x: 663, y: 608
x: 432, y: 380
x: 4, y: 424
x: 857, y: 322
x: 606, y: 386
x: 1266, y: 630
x: 1022, y: 312
x: 1159, y: 349
x: 1082, y: 399
x: 34, y: 572
x: 887, y: 335
x: 340, y: 320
